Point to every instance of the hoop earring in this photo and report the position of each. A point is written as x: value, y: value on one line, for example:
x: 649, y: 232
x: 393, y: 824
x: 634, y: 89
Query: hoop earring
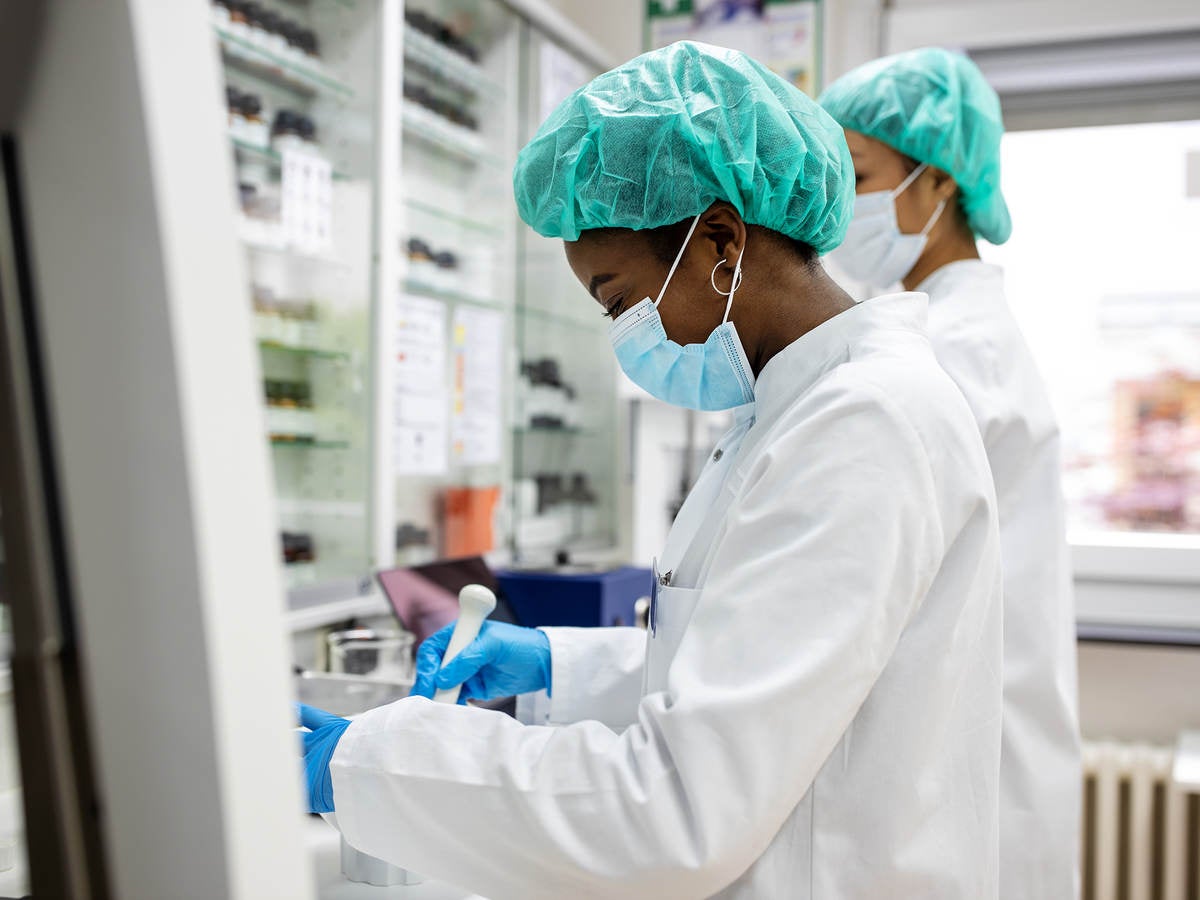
x: 737, y: 279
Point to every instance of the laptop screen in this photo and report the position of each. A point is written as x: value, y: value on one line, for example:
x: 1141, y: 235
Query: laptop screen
x: 425, y: 598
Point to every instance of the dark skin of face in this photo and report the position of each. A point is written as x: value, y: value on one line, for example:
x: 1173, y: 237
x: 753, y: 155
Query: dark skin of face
x: 780, y: 298
x: 877, y: 167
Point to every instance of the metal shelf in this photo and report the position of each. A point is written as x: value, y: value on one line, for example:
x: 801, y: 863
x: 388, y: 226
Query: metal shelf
x: 444, y: 135
x: 575, y: 321
x: 312, y: 352
x: 307, y: 444
x: 549, y: 429
x: 269, y: 156
x: 421, y: 289
x: 453, y: 67
x: 454, y: 218
x: 274, y: 244
x: 341, y: 509
x: 337, y: 611
x: 294, y: 74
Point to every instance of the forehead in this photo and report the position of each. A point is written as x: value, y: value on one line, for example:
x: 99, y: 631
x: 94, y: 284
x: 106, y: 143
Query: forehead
x: 605, y: 251
x: 867, y: 149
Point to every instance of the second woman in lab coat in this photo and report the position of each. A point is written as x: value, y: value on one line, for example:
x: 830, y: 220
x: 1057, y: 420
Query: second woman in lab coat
x: 924, y: 132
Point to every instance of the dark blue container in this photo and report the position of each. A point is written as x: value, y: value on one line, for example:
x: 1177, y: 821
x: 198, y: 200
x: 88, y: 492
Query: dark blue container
x: 582, y: 599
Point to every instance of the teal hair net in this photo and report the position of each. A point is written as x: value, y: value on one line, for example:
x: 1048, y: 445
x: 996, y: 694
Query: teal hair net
x: 661, y: 138
x: 936, y: 107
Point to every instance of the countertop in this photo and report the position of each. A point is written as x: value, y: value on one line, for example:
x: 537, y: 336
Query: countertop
x: 324, y: 846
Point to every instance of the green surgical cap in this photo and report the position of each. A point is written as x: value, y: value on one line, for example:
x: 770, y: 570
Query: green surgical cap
x: 936, y: 107
x: 661, y: 138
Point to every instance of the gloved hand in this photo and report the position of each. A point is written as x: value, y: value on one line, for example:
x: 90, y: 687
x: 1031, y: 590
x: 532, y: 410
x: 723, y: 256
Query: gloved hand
x: 319, y: 744
x: 503, y: 660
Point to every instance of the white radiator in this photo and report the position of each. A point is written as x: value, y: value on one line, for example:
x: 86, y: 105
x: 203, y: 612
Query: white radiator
x: 1141, y: 835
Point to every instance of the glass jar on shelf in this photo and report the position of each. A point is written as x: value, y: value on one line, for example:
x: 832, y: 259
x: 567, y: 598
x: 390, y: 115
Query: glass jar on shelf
x: 581, y: 500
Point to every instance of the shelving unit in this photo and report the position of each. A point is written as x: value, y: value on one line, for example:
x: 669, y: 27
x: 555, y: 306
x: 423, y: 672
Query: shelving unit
x: 322, y: 614
x: 306, y: 352
x: 269, y: 156
x: 419, y: 289
x: 323, y: 471
x: 422, y: 51
x: 566, y: 481
x: 345, y: 509
x: 582, y: 317
x: 564, y: 431
x: 420, y: 120
x: 285, y: 70
x: 452, y: 218
x: 304, y: 443
x: 275, y: 246
x: 455, y: 269
x: 447, y: 137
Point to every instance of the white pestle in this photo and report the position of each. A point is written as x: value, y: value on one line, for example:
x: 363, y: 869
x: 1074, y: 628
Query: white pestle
x: 475, y: 603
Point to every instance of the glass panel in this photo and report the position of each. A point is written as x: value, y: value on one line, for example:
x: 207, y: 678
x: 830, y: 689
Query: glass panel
x: 1101, y: 273
x: 452, y: 377
x: 565, y: 427
x: 301, y: 89
x: 14, y: 876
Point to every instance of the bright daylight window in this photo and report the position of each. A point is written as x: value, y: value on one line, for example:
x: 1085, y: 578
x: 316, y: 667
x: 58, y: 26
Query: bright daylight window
x: 1103, y: 275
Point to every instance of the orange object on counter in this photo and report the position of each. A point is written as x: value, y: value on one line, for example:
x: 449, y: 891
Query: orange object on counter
x: 468, y: 513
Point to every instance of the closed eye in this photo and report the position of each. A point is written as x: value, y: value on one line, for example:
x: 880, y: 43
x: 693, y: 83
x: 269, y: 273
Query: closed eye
x: 614, y: 309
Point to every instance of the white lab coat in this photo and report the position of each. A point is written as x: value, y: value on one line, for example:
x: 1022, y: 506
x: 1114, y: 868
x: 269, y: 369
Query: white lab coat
x: 817, y: 714
x: 978, y: 343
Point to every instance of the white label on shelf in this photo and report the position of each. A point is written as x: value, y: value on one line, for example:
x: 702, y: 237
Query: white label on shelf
x: 306, y: 201
x: 419, y: 432
x: 478, y: 374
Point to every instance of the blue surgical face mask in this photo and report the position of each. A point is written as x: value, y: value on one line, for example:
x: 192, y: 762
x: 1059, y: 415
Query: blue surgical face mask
x: 709, y: 376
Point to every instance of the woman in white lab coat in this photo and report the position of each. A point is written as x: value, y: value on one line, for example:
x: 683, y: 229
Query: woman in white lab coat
x: 924, y: 131
x: 815, y: 710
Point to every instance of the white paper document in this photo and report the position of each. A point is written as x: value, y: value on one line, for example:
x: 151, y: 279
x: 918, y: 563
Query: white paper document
x: 478, y: 344
x: 421, y: 393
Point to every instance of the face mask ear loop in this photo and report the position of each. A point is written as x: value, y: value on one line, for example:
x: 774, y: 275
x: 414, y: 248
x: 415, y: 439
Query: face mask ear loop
x: 734, y: 285
x: 678, y: 257
x: 937, y: 214
x: 912, y: 176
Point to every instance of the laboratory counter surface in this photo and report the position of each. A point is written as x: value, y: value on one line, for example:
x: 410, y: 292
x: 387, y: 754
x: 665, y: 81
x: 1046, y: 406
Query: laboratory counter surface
x: 324, y: 846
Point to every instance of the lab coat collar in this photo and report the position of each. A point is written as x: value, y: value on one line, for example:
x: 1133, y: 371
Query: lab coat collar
x: 971, y: 268
x: 798, y: 366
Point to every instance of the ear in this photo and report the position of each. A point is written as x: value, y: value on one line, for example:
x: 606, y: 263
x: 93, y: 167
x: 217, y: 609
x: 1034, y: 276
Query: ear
x: 724, y: 230
x: 944, y: 187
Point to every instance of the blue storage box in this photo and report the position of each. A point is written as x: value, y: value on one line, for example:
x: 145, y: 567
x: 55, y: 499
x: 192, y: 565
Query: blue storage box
x: 581, y: 599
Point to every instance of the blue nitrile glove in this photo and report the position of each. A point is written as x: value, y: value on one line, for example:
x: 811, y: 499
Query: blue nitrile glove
x: 503, y: 660
x: 319, y: 744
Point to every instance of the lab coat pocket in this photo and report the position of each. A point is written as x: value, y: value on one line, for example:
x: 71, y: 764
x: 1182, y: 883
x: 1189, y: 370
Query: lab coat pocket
x: 672, y: 614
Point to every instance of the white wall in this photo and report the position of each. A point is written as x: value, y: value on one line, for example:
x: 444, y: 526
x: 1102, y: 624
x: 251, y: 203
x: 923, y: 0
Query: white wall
x: 855, y: 32
x: 989, y: 23
x: 614, y: 24
x: 1138, y: 693
x: 851, y: 28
